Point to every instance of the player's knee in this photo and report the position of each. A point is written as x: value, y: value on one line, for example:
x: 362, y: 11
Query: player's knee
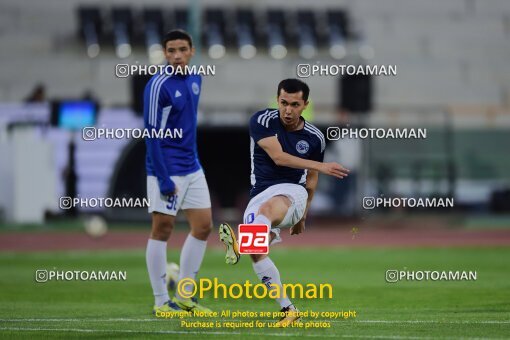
x: 162, y: 229
x: 266, y: 209
x: 202, y: 232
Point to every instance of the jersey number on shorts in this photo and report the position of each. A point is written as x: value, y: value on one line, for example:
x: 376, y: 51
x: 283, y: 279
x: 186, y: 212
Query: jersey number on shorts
x: 172, y: 200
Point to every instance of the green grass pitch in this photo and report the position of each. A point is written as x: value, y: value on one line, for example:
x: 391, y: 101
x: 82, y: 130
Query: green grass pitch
x: 418, y: 310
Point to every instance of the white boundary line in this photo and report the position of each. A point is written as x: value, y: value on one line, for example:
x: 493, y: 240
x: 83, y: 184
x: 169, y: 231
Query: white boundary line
x: 85, y: 330
x: 349, y: 320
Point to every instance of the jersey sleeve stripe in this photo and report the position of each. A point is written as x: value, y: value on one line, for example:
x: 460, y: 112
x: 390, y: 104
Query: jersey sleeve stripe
x: 321, y: 137
x: 271, y: 116
x: 323, y: 146
x: 151, y: 101
x: 155, y: 99
x: 265, y: 117
x: 164, y: 116
x: 261, y: 116
x: 157, y: 96
x: 318, y: 134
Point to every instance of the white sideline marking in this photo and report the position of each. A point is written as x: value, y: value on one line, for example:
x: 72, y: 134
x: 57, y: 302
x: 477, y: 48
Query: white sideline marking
x: 267, y: 320
x: 82, y: 330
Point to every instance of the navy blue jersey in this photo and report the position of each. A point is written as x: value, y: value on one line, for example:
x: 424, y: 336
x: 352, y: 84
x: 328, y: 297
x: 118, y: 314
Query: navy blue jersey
x: 307, y: 143
x: 171, y: 102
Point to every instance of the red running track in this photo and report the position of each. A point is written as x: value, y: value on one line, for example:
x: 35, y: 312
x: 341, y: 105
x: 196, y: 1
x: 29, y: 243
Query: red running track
x: 325, y: 237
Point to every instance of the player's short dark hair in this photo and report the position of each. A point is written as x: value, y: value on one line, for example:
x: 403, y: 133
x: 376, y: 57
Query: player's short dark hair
x: 293, y: 86
x: 177, y: 35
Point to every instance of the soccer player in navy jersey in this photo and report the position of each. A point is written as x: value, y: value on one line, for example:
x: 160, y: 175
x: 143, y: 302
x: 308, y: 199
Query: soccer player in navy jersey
x: 175, y: 179
x: 287, y: 155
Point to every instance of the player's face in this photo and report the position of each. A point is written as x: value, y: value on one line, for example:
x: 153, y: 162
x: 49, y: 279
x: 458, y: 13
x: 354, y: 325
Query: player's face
x: 178, y: 53
x: 291, y: 106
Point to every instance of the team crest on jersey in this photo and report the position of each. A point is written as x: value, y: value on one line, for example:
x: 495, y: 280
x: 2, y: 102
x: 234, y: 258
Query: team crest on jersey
x: 302, y: 147
x: 195, y: 88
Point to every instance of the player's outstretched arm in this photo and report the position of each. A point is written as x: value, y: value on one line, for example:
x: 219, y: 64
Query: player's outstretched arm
x: 333, y: 169
x: 273, y: 148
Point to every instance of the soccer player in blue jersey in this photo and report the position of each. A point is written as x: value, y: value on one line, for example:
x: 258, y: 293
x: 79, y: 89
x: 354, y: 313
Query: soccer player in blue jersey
x: 287, y: 155
x: 175, y: 179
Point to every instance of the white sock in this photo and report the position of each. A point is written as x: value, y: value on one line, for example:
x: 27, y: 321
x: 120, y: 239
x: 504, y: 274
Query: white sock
x: 156, y: 265
x: 261, y: 219
x: 192, y: 254
x: 269, y: 274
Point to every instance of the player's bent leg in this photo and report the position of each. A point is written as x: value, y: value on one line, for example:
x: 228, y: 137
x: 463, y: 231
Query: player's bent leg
x: 273, y: 210
x: 162, y: 226
x: 270, y: 212
x: 192, y: 253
